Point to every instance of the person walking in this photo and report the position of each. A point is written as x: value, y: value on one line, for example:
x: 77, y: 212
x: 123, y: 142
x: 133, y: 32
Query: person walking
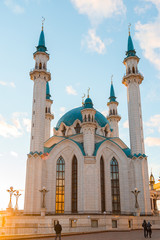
x: 58, y: 230
x: 149, y: 229
x: 144, y: 225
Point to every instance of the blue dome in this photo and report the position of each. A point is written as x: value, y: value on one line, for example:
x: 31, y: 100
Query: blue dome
x: 88, y: 103
x: 69, y: 117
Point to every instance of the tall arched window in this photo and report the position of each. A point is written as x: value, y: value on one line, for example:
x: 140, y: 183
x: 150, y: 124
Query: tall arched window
x: 102, y: 185
x: 60, y: 174
x: 77, y: 128
x: 74, y: 185
x: 40, y: 65
x: 115, y: 190
x: 133, y: 69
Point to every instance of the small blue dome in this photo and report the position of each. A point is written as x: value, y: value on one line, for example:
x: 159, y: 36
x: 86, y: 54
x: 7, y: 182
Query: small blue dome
x: 69, y: 117
x: 130, y: 50
x: 88, y: 103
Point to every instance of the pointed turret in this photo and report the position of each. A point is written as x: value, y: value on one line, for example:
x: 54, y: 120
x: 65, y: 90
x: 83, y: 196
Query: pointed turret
x: 113, y: 116
x: 41, y: 45
x: 112, y: 93
x: 130, y: 50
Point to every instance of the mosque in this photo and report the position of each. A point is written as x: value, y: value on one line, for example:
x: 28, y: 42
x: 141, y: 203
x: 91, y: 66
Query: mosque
x: 84, y: 166
x: 84, y: 175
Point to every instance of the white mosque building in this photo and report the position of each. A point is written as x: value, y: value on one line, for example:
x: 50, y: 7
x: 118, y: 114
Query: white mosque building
x: 85, y: 166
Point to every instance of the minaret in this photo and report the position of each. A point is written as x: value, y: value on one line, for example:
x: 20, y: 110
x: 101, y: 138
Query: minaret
x: 88, y: 127
x: 40, y: 77
x: 48, y: 115
x: 132, y: 80
x: 113, y: 116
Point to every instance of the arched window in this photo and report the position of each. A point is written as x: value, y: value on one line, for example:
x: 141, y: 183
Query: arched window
x: 89, y: 118
x: 60, y: 174
x: 115, y: 190
x: 110, y: 113
x: 36, y: 66
x: 133, y: 70
x: 46, y: 109
x: 105, y: 132
x: 129, y: 70
x: 77, y: 128
x: 102, y: 185
x: 113, y: 112
x: 74, y: 185
x: 85, y: 118
x: 44, y: 66
x: 64, y: 131
x: 40, y: 65
x: 92, y: 118
x: 49, y: 110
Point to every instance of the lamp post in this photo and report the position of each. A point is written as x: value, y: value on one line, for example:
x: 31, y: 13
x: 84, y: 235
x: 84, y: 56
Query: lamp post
x: 10, y: 191
x: 17, y: 195
x: 136, y: 192
x: 43, y: 209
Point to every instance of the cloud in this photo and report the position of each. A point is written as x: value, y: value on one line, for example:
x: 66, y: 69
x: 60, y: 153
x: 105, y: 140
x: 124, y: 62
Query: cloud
x: 141, y: 10
x: 14, y: 6
x: 148, y: 35
x: 62, y: 109
x: 152, y: 142
x: 93, y: 42
x: 126, y: 124
x: 27, y: 124
x: 104, y: 112
x: 97, y: 10
x: 14, y: 154
x: 19, y: 125
x: 7, y: 84
x: 154, y: 122
x: 70, y: 90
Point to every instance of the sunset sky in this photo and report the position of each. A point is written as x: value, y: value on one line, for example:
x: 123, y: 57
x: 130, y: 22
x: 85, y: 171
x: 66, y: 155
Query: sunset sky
x: 87, y: 41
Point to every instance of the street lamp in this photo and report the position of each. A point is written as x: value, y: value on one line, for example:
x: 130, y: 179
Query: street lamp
x: 17, y: 195
x: 10, y: 191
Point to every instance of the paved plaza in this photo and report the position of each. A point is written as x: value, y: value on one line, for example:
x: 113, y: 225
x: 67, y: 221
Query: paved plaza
x: 132, y: 235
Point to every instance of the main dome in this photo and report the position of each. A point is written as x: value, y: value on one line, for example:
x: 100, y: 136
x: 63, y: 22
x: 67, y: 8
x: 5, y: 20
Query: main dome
x: 74, y: 114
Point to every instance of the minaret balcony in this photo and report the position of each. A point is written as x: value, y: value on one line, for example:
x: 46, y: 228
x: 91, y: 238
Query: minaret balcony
x: 114, y: 116
x: 129, y: 77
x: 36, y: 72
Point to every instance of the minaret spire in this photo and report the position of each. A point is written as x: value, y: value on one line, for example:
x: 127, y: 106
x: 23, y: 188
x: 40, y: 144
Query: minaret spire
x: 113, y: 116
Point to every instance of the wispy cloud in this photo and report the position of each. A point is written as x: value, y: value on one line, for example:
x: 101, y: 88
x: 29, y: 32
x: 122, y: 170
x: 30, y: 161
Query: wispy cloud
x: 154, y: 122
x: 8, y: 84
x: 70, y: 90
x: 148, y: 35
x: 14, y: 154
x: 141, y: 10
x: 126, y: 124
x: 152, y: 142
x: 14, y: 6
x: 97, y: 10
x: 16, y: 128
x: 93, y: 42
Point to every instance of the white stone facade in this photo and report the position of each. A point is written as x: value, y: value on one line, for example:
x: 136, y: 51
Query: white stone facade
x: 101, y: 159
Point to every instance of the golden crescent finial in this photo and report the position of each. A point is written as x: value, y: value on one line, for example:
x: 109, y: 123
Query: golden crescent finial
x: 43, y: 19
x: 129, y: 27
x: 88, y: 92
x: 83, y: 99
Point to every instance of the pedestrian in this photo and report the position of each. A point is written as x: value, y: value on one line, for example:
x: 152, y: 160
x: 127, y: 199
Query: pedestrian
x: 58, y: 229
x: 144, y: 225
x: 149, y: 229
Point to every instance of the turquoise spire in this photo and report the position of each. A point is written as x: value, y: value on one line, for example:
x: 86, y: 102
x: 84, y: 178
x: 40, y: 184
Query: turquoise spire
x: 41, y: 45
x: 130, y: 50
x: 48, y: 95
x: 112, y: 93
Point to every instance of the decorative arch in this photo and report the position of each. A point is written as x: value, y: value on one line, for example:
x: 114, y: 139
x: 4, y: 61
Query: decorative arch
x: 102, y: 181
x: 40, y: 65
x: 74, y: 184
x: 115, y: 189
x: 89, y: 118
x: 60, y: 185
x: 133, y: 70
